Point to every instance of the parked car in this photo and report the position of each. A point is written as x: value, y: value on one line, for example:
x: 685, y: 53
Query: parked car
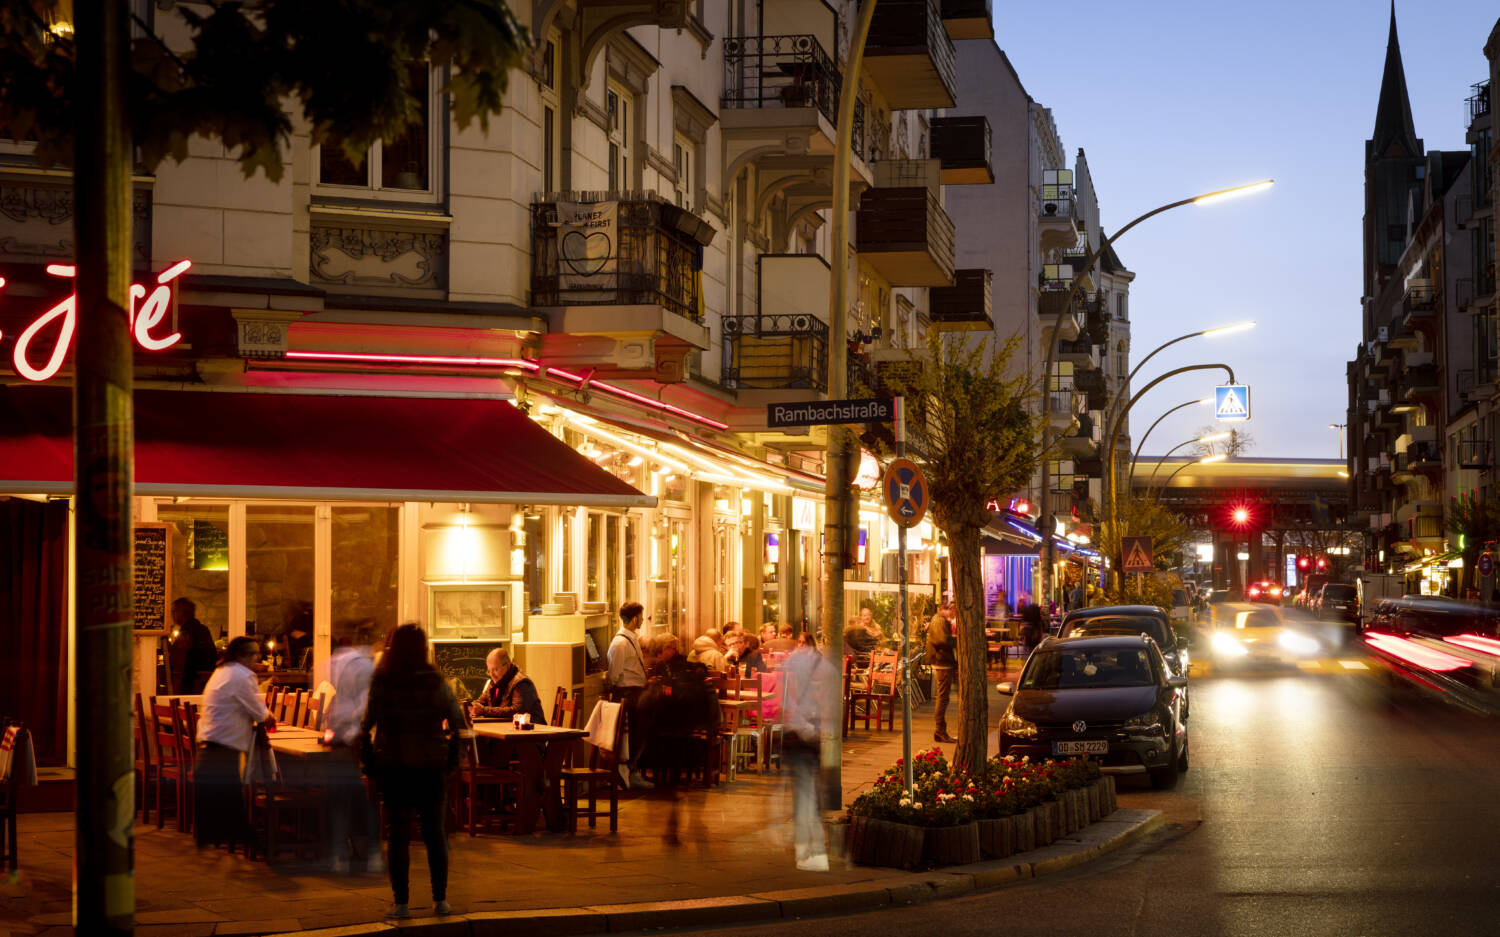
x: 1337, y: 601
x: 1109, y: 697
x: 1308, y: 594
x: 1129, y: 619
x: 1264, y: 591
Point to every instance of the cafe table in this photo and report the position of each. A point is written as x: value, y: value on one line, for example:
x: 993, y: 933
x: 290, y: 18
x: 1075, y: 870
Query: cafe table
x: 539, y: 752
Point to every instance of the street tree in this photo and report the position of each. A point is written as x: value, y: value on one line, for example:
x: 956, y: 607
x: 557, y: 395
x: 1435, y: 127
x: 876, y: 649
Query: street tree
x: 98, y: 90
x: 1144, y: 515
x: 981, y: 443
x: 1239, y: 442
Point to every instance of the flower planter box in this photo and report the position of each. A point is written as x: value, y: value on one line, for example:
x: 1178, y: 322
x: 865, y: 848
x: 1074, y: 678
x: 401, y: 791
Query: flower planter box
x: 1023, y: 831
x: 884, y: 843
x: 1107, y: 803
x: 952, y: 845
x: 1044, y: 818
x: 997, y: 838
x: 837, y: 832
x: 1091, y: 801
x: 1078, y: 810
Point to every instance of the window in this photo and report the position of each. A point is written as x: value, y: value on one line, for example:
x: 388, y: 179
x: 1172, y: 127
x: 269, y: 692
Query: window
x: 617, y: 111
x: 402, y: 168
x: 551, y: 151
x: 683, y: 158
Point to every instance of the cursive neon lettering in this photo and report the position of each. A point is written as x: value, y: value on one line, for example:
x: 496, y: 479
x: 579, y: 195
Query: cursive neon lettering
x: 145, y: 316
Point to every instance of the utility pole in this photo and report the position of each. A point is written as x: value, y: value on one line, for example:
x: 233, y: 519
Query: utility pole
x: 104, y: 876
x: 839, y: 504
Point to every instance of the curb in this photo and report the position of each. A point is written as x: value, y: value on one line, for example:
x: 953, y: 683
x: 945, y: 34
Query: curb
x: 1095, y: 840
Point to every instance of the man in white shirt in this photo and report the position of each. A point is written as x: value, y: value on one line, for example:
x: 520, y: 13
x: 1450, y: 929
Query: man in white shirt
x: 232, y: 707
x: 627, y: 678
x: 352, y: 819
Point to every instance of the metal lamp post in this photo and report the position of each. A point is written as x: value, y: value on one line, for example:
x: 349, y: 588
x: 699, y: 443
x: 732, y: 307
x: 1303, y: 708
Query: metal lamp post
x: 1140, y: 446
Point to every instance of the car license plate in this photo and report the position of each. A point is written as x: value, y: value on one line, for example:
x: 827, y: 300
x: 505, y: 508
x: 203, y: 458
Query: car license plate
x: 1082, y: 747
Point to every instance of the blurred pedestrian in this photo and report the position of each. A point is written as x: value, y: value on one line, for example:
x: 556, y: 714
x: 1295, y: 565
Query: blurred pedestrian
x: 1031, y: 626
x: 352, y: 819
x: 232, y: 707
x: 942, y: 660
x: 806, y: 673
x: 415, y: 720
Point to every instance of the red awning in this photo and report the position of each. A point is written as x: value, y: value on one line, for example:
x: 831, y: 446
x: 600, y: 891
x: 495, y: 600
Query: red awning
x: 306, y: 446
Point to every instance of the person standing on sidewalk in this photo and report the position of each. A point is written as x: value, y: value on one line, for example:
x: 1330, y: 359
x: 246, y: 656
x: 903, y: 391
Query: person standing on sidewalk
x: 232, y: 707
x: 410, y: 757
x: 349, y: 809
x: 942, y: 660
x: 805, y: 672
x: 627, y: 678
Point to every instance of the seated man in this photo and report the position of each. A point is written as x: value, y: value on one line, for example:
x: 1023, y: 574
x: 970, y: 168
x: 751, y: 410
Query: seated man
x: 509, y: 692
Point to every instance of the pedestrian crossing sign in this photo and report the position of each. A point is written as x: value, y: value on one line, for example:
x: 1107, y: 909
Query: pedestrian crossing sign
x: 1232, y: 402
x: 1135, y: 554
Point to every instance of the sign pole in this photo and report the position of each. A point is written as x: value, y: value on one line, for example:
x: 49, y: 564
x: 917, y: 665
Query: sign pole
x: 900, y: 416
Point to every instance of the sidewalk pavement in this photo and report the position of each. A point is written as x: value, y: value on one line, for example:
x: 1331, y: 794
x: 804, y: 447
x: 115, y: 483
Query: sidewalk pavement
x: 733, y: 864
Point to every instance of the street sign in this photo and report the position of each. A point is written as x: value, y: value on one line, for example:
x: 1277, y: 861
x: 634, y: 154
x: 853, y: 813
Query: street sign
x: 1486, y: 564
x: 906, y: 494
x: 1135, y: 555
x: 1232, y: 402
x: 823, y: 412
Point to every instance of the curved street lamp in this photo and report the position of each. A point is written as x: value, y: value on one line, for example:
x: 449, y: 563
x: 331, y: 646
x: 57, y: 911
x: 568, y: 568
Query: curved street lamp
x: 1136, y: 456
x: 1211, y: 437
x: 1206, y: 460
x: 1206, y: 333
x: 1091, y: 258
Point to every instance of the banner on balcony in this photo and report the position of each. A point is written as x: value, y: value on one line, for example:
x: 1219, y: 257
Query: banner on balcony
x: 588, y: 241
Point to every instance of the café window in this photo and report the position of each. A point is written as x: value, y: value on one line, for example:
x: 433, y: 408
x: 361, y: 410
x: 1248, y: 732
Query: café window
x: 402, y: 168
x: 364, y: 571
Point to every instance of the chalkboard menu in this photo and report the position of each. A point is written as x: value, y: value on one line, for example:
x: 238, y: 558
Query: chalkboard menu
x: 210, y: 545
x: 153, y: 576
x: 462, y: 662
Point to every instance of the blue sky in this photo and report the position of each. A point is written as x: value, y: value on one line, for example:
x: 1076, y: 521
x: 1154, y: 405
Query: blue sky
x: 1175, y: 97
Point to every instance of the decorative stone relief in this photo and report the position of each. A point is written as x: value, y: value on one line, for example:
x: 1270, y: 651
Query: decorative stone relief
x: 37, y: 222
x: 369, y: 257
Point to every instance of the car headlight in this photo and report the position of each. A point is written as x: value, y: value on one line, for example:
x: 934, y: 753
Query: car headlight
x: 1297, y: 643
x: 1227, y: 645
x: 1013, y: 725
x: 1182, y: 656
x: 1147, y: 723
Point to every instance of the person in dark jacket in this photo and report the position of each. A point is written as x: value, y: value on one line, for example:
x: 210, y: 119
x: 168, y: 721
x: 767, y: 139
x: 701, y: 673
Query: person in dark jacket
x: 509, y: 692
x: 194, y: 655
x: 1031, y: 626
x: 410, y: 755
x: 942, y: 660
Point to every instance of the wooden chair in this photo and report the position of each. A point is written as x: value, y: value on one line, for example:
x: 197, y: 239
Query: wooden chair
x: 169, y: 769
x: 602, y: 769
x: 185, y: 728
x: 475, y: 776
x: 557, y: 701
x: 877, y: 697
x: 285, y: 818
x: 312, y: 713
x: 752, y: 728
x: 9, y: 788
x: 291, y: 708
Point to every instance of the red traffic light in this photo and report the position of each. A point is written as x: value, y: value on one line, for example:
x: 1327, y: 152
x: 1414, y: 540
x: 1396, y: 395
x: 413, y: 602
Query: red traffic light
x: 1302, y: 562
x: 1240, y: 515
x: 1322, y: 564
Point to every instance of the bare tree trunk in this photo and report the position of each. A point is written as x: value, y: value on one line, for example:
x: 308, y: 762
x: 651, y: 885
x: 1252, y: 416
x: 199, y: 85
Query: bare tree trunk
x: 973, y: 709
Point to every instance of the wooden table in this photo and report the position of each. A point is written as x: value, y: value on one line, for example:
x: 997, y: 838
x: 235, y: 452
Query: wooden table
x: 735, y: 709
x: 539, y: 752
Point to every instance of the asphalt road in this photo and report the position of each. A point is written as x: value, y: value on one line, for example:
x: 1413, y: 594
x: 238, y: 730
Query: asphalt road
x: 1323, y: 799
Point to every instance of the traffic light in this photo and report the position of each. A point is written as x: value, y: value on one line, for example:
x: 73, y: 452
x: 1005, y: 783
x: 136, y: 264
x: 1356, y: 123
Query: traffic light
x: 1322, y: 564
x: 1302, y: 563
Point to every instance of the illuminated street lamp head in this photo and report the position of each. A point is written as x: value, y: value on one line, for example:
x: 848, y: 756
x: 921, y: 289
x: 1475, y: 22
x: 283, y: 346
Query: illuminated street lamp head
x: 1208, y: 460
x: 1230, y: 193
x: 1214, y: 437
x: 1226, y: 329
x: 1205, y: 401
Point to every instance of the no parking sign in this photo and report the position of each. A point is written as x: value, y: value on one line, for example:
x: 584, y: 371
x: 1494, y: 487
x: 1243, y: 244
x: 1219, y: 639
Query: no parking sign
x: 1486, y: 564
x: 906, y: 494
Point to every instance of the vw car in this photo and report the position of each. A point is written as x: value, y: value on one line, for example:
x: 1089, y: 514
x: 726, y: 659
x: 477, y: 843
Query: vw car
x: 1129, y: 619
x: 1111, y: 697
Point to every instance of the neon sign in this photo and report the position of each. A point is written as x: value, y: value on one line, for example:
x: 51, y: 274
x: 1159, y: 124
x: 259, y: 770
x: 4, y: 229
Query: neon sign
x: 148, y: 310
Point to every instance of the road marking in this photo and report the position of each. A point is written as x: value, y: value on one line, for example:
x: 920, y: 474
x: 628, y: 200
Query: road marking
x: 1354, y: 665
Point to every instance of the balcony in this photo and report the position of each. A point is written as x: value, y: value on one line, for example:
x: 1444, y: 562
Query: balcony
x: 1085, y: 441
x: 1477, y: 104
x: 909, y: 56
x: 1049, y: 306
x: 1082, y: 353
x: 780, y: 85
x: 967, y: 19
x: 1419, y: 304
x: 1474, y: 454
x: 1402, y: 337
x: 965, y: 306
x: 962, y: 145
x: 1093, y: 384
x: 1420, y: 381
x: 775, y: 352
x: 1064, y: 406
x: 626, y: 268
x: 1058, y: 222
x: 904, y: 234
x: 1096, y: 318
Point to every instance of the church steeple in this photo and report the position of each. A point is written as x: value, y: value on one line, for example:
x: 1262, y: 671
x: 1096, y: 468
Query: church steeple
x: 1394, y: 134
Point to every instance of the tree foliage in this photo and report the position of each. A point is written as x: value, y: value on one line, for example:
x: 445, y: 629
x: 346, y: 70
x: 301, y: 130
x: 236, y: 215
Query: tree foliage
x: 1142, y: 514
x: 980, y: 439
x: 229, y: 69
x: 1239, y: 442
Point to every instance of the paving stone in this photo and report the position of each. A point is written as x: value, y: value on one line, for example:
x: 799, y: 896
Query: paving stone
x: 187, y: 915
x: 535, y: 923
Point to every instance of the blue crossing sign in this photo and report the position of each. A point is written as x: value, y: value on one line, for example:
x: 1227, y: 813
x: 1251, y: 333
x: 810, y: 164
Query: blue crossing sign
x: 1232, y: 402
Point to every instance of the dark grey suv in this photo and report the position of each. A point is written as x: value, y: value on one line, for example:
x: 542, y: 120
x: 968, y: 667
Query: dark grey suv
x: 1109, y: 697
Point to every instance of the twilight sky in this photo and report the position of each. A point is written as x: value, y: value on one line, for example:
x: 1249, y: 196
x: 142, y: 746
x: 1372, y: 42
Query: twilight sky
x: 1172, y: 98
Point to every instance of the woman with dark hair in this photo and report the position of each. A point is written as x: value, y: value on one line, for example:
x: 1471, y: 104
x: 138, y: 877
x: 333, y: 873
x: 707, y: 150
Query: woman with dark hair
x: 232, y: 707
x: 415, y: 720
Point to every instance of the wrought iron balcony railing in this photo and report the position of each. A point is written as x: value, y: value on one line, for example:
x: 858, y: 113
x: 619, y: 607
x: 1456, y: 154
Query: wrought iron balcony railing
x: 791, y: 71
x: 775, y: 351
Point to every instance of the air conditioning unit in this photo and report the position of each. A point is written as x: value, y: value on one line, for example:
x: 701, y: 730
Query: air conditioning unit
x: 1383, y: 334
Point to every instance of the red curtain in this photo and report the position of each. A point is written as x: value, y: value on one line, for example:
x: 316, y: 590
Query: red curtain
x: 34, y: 622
